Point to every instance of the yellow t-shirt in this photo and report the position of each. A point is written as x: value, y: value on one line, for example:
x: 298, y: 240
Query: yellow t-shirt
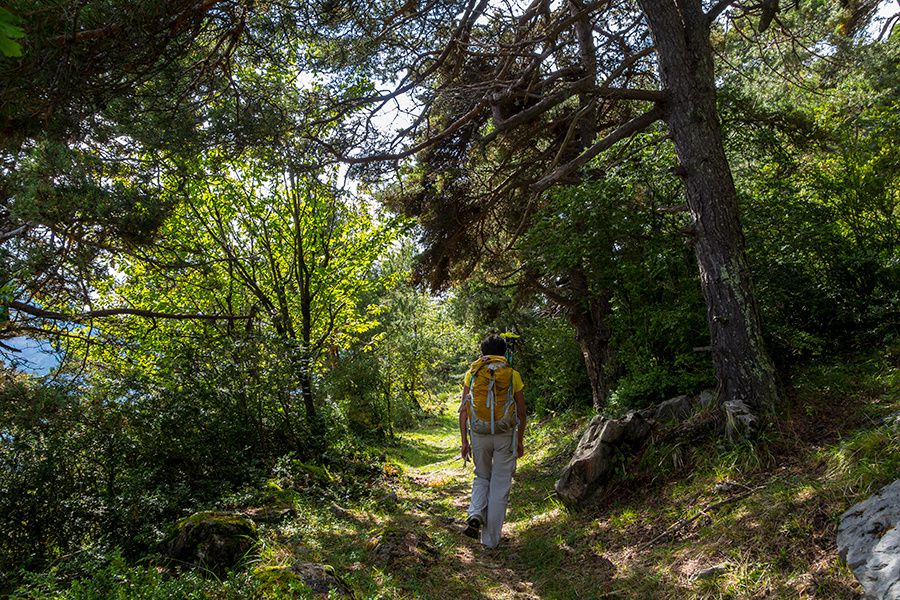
x: 518, y: 385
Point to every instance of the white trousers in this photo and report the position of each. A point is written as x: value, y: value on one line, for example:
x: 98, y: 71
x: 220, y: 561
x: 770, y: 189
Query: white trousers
x: 494, y: 457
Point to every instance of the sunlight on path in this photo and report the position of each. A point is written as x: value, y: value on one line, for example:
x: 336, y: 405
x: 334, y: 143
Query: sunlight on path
x: 437, y: 483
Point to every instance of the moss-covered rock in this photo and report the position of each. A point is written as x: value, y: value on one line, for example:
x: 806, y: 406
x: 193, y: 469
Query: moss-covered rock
x: 212, y: 540
x: 302, y: 577
x: 403, y: 548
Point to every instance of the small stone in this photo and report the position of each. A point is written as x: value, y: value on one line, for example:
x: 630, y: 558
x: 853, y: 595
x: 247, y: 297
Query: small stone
x: 892, y: 420
x: 399, y: 547
x: 739, y: 419
x: 321, y: 579
x: 710, y: 572
x: 726, y: 487
x: 339, y: 511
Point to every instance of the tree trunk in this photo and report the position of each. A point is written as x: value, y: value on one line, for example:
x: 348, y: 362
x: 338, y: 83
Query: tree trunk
x: 306, y: 391
x: 744, y: 370
x: 589, y: 314
x: 592, y: 333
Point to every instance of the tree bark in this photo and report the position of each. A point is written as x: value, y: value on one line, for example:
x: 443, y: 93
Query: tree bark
x: 589, y: 315
x: 745, y: 373
x: 592, y: 332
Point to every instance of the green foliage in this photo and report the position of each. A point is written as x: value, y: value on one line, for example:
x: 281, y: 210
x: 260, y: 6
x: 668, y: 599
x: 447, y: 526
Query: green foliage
x: 113, y: 577
x: 819, y: 195
x: 612, y: 231
x: 9, y: 32
x: 555, y: 377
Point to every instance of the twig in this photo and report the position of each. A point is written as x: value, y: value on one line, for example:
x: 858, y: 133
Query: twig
x: 703, y: 511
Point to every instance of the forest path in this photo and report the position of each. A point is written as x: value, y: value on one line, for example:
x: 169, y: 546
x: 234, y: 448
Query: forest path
x: 436, y: 484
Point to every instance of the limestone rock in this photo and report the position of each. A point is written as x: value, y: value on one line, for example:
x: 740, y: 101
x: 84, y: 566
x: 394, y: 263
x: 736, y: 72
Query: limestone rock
x: 674, y: 409
x: 739, y: 419
x: 390, y: 498
x: 868, y: 540
x: 598, y: 452
x: 213, y: 540
x: 892, y: 420
x: 321, y: 579
x: 710, y: 572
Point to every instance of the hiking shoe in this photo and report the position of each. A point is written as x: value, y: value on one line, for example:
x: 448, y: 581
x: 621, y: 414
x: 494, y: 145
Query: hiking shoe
x: 473, y: 527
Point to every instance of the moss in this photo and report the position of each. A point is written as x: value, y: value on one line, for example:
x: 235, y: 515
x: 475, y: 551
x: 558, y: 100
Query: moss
x: 304, y: 580
x: 221, y: 518
x: 279, y: 579
x: 213, y: 540
x: 316, y: 472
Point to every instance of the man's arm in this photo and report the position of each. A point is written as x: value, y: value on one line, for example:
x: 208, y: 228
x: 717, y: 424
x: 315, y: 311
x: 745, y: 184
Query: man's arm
x: 520, y: 432
x: 463, y: 420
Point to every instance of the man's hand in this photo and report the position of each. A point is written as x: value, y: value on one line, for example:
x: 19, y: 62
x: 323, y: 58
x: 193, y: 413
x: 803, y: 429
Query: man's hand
x: 465, y: 450
x: 520, y: 449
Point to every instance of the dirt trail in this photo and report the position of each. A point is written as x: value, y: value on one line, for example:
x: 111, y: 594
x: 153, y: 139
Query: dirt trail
x: 439, y: 489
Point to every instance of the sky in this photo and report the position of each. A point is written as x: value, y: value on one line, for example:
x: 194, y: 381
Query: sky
x: 38, y: 358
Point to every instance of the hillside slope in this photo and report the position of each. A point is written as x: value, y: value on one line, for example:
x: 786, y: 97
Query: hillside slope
x: 708, y: 520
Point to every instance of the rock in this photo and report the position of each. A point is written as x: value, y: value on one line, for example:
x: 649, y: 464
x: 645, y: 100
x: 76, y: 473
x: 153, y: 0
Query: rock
x: 739, y: 419
x: 339, y: 511
x: 404, y: 547
x: 320, y: 579
x: 709, y: 572
x: 726, y: 487
x: 598, y: 452
x: 213, y: 540
x: 674, y: 409
x: 803, y: 584
x: 868, y: 540
x: 611, y: 432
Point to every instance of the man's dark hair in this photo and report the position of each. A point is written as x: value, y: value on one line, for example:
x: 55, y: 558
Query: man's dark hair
x: 493, y: 344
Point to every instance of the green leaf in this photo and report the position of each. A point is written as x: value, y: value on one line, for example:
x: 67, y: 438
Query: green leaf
x: 9, y: 31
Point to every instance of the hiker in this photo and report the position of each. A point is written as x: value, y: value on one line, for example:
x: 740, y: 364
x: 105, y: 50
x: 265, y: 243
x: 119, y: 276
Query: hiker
x: 492, y: 413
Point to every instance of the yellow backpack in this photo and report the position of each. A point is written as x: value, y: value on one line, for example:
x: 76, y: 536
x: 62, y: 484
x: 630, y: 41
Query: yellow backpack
x: 491, y: 403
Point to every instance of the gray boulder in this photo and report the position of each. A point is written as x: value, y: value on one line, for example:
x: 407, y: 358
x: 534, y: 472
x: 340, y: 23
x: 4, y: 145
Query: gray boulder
x: 597, y: 454
x: 740, y: 421
x: 674, y: 409
x: 868, y: 540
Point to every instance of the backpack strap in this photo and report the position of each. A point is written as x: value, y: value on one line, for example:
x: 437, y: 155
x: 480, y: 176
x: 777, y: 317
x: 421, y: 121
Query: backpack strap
x: 490, y: 400
x: 472, y: 400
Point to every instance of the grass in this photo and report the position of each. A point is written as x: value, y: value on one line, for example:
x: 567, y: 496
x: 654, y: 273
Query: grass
x: 771, y: 534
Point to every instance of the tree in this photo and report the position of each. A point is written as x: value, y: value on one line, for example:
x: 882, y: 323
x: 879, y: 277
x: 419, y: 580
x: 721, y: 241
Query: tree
x: 517, y: 99
x: 816, y: 172
x: 253, y: 237
x: 102, y: 117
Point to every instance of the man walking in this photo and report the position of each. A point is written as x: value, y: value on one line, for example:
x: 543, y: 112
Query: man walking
x: 492, y: 413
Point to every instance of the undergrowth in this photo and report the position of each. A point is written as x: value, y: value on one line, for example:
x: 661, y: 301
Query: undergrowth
x: 708, y: 519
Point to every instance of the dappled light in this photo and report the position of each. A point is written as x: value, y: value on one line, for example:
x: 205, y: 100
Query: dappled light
x: 399, y: 300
